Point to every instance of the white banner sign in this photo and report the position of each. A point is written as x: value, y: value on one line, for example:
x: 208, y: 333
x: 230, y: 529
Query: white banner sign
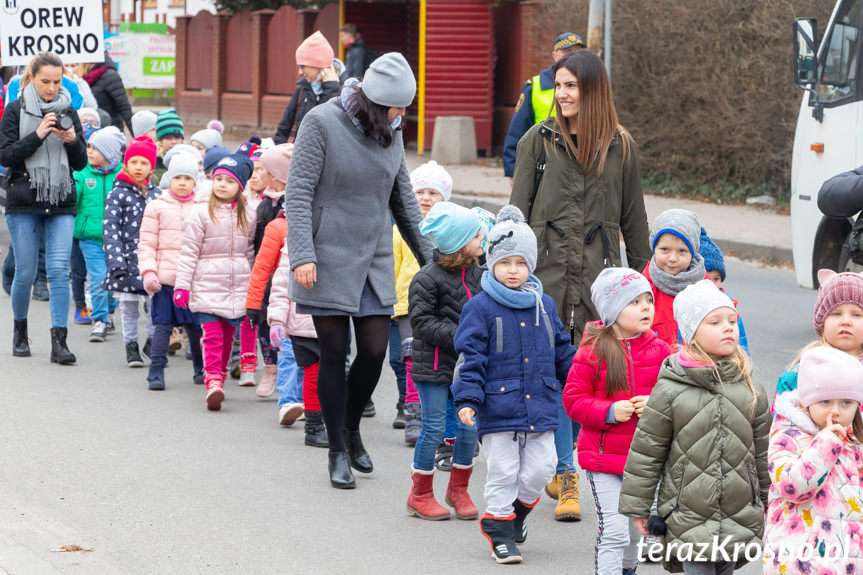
x: 72, y: 29
x: 144, y: 60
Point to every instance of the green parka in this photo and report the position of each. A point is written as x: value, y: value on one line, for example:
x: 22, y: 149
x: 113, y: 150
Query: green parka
x: 701, y: 436
x: 93, y: 189
x: 570, y: 202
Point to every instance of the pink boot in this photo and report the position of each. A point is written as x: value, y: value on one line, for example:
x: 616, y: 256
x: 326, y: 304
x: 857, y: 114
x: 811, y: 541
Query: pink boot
x: 215, y: 393
x: 268, y: 382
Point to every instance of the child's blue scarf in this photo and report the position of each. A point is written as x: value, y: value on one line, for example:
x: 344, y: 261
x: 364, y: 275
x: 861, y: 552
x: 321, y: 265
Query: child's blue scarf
x: 528, y: 295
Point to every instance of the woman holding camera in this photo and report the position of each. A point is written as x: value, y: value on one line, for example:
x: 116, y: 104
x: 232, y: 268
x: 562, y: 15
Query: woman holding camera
x: 41, y: 143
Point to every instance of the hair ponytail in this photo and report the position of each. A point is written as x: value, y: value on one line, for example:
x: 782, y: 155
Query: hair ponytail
x: 605, y: 347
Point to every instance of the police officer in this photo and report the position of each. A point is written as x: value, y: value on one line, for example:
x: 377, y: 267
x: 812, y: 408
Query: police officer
x: 536, y: 99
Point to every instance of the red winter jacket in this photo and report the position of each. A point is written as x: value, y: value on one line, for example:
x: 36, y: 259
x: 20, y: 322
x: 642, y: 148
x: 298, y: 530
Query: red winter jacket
x: 663, y: 320
x: 603, y: 447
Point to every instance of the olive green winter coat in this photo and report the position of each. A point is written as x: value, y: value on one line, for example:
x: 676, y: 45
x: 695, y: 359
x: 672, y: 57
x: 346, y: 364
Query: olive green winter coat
x: 705, y: 441
x: 570, y: 201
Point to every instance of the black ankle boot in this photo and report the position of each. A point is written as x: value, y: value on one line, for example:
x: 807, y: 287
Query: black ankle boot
x: 20, y: 343
x: 316, y: 432
x: 340, y: 471
x: 59, y: 352
x: 357, y: 454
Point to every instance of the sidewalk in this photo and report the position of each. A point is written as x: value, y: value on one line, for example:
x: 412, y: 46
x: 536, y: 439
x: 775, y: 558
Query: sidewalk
x: 743, y: 231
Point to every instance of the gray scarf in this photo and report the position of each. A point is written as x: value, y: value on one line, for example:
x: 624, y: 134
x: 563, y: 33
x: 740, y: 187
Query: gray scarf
x: 49, y: 165
x: 673, y: 285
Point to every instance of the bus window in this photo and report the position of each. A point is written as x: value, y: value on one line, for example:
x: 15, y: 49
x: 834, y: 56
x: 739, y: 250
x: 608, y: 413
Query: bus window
x: 839, y: 68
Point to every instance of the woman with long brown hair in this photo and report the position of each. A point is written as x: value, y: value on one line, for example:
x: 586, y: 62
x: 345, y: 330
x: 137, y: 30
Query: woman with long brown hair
x: 41, y: 143
x: 578, y: 183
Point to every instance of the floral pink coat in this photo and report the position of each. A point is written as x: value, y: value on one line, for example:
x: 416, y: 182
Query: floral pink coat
x: 815, y: 498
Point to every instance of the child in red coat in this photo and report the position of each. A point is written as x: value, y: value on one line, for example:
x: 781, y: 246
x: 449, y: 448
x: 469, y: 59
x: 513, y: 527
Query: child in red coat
x: 613, y: 372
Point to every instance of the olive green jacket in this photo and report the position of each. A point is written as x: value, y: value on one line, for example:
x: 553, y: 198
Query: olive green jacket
x: 700, y: 435
x: 570, y: 201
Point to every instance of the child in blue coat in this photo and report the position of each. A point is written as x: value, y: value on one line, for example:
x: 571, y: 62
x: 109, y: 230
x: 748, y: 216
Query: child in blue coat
x: 513, y: 355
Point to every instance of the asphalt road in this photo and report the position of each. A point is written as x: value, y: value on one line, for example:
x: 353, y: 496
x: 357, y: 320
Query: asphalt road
x: 153, y: 483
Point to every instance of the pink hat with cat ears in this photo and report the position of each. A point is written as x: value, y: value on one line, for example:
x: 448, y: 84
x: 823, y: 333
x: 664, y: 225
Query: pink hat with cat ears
x: 836, y: 289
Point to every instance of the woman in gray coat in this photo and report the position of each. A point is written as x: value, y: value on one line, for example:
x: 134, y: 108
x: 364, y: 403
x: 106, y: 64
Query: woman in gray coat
x: 347, y: 175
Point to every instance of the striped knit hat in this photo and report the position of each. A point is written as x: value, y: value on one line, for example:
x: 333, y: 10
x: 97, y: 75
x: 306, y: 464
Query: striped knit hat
x: 169, y: 124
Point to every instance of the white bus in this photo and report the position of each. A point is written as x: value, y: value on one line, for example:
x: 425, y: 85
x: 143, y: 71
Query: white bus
x: 826, y: 138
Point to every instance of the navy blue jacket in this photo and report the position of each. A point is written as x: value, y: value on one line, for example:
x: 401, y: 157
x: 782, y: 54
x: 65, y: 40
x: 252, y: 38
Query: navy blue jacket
x: 508, y: 373
x: 523, y: 119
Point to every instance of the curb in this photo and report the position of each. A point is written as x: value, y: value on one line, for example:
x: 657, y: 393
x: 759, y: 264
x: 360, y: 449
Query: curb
x: 741, y: 249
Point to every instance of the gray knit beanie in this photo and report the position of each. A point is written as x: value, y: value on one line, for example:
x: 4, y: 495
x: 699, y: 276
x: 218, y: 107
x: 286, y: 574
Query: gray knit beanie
x: 143, y: 122
x: 109, y: 142
x: 510, y: 236
x: 390, y: 82
x: 182, y: 164
x: 681, y: 223
x: 694, y: 303
x: 207, y: 138
x: 614, y: 289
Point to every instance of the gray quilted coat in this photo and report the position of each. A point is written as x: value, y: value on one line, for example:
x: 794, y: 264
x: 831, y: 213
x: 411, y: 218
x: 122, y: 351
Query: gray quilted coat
x: 341, y: 185
x: 709, y: 447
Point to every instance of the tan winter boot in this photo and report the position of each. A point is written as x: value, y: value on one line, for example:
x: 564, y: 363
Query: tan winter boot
x: 568, y: 508
x: 553, y: 488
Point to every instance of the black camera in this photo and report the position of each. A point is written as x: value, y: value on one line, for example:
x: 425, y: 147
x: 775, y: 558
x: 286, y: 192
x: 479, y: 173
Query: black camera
x: 63, y: 121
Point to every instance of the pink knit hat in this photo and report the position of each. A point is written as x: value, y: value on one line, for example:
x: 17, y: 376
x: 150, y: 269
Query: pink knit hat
x: 827, y: 373
x: 315, y: 51
x: 836, y: 289
x: 277, y: 160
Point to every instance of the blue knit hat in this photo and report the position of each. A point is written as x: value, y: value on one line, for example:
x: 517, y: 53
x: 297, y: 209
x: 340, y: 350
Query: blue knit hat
x: 713, y: 260
x: 212, y: 157
x: 450, y: 226
x: 237, y: 166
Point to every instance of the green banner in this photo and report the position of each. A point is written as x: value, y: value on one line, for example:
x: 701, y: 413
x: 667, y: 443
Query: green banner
x: 159, y: 66
x: 144, y: 28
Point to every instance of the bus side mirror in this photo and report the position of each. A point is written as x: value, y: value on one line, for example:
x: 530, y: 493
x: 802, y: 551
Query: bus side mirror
x: 805, y: 51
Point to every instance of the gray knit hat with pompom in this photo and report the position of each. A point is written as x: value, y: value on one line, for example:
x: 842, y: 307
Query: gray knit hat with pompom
x: 510, y: 236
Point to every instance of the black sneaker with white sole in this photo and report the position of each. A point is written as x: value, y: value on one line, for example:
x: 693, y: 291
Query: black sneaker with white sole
x: 500, y: 534
x: 133, y: 356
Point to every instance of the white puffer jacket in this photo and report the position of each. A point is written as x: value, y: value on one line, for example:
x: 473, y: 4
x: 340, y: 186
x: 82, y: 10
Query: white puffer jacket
x: 216, y: 261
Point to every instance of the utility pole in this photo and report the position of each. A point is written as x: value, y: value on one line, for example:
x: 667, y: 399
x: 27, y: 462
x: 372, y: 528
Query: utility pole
x: 599, y: 31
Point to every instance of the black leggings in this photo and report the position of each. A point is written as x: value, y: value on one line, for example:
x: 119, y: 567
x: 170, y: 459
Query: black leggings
x: 342, y: 402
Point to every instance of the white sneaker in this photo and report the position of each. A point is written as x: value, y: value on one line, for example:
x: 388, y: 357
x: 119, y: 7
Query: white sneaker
x: 98, y: 332
x: 289, y: 413
x: 247, y: 379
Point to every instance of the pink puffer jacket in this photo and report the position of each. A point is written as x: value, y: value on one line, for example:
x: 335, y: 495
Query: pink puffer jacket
x: 281, y: 309
x: 161, y: 237
x: 216, y: 261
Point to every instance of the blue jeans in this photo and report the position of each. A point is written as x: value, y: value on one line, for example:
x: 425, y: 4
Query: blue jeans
x: 289, y: 381
x: 433, y: 398
x: 26, y: 231
x: 396, y: 358
x: 564, y: 437
x: 94, y: 257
